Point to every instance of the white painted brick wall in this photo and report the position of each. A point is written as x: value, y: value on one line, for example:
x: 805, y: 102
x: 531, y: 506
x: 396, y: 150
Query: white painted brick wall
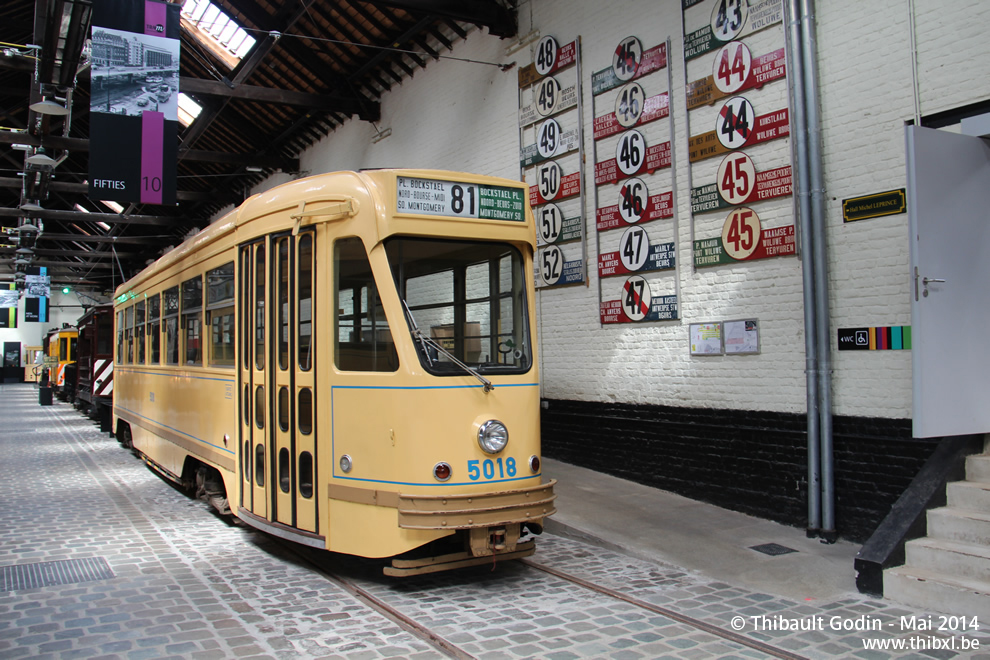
x: 463, y: 116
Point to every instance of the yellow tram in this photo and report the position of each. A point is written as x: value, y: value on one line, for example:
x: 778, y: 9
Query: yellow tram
x: 62, y: 358
x: 348, y: 361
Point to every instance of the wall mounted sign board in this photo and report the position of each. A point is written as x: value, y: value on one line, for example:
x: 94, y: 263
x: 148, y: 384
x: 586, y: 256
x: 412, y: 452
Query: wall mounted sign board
x: 876, y: 205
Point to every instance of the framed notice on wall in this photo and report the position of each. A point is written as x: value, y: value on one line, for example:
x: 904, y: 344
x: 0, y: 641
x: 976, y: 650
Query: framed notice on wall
x: 706, y: 338
x: 741, y: 337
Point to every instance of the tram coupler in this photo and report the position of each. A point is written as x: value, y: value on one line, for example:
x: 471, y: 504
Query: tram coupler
x: 488, y: 541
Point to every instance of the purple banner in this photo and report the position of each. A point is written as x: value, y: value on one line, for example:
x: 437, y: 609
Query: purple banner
x: 134, y: 101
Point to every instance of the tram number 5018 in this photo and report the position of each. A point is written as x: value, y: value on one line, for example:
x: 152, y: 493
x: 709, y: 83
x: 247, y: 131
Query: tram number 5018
x: 490, y: 469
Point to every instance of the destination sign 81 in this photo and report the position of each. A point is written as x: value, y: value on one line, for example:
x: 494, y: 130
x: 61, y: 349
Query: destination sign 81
x: 459, y: 199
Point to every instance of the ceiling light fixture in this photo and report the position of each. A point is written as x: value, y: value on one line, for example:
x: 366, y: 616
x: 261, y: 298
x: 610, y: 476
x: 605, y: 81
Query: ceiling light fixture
x: 49, y: 107
x: 42, y: 159
x: 31, y: 206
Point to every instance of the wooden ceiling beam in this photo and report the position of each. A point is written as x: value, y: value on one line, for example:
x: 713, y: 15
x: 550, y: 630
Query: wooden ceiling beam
x: 108, y: 218
x: 198, y: 155
x: 499, y: 20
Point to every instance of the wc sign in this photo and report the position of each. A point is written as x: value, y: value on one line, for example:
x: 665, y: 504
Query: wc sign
x: 894, y: 338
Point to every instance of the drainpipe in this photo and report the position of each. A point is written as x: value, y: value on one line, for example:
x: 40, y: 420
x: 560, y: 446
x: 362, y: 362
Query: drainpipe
x: 802, y: 195
x: 822, y: 322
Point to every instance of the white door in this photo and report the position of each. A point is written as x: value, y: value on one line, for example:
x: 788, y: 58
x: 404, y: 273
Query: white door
x: 949, y: 213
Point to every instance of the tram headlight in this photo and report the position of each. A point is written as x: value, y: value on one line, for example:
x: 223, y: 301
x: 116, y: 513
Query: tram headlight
x: 493, y: 436
x: 345, y: 463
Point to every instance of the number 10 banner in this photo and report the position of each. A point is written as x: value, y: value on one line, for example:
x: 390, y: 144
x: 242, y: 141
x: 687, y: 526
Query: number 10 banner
x: 134, y: 101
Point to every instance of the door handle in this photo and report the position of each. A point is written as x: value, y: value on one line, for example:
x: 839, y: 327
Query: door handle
x: 925, y: 281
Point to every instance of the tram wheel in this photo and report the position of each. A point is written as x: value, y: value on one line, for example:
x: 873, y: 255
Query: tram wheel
x: 124, y: 436
x: 209, y: 487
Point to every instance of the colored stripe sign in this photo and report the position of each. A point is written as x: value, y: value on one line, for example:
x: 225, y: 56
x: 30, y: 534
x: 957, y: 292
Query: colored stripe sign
x: 568, y: 100
x: 754, y: 17
x: 771, y: 243
x: 657, y: 207
x: 765, y: 68
x: 570, y: 230
x: 765, y: 128
x: 570, y: 186
x: 563, y: 57
x: 660, y: 257
x: 660, y: 308
x: 654, y: 108
x: 653, y: 59
x: 884, y: 338
x: 530, y: 154
x: 657, y: 157
x: 768, y: 185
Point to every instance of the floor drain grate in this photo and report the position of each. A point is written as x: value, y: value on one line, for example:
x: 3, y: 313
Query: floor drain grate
x: 53, y: 573
x: 772, y: 549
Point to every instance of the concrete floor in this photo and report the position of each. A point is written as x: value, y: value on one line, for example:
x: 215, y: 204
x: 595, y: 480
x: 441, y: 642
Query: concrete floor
x: 660, y: 526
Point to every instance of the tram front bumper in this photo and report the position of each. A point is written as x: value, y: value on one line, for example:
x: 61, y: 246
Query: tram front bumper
x: 478, y: 511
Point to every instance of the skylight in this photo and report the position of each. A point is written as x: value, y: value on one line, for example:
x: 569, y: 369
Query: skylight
x: 188, y: 110
x: 216, y: 31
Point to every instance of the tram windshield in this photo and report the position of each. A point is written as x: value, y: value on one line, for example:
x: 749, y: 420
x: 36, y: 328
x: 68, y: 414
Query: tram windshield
x: 468, y: 299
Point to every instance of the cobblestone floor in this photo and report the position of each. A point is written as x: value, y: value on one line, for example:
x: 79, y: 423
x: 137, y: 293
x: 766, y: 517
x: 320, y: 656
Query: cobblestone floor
x: 188, y: 584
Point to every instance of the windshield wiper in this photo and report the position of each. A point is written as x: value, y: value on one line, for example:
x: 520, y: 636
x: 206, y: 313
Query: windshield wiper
x: 428, y: 342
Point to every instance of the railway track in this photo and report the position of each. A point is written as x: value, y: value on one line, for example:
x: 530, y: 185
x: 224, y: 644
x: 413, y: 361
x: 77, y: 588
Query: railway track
x: 726, y: 634
x: 451, y: 650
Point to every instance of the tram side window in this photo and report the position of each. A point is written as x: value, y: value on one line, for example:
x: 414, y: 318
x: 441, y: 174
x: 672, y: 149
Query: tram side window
x: 129, y: 335
x: 120, y: 337
x: 139, y: 331
x: 283, y: 285
x: 154, y: 329
x: 170, y: 302
x: 363, y: 338
x: 192, y: 321
x: 259, y: 308
x: 305, y: 313
x: 220, y: 311
x: 245, y: 299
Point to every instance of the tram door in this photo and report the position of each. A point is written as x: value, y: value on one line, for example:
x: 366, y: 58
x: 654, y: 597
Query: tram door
x: 254, y: 448
x: 282, y: 375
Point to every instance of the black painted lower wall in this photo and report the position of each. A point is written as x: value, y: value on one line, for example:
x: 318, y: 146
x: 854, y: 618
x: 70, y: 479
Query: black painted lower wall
x: 749, y: 461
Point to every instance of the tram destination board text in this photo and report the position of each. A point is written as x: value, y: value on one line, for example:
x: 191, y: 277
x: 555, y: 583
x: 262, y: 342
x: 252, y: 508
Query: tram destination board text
x: 460, y: 199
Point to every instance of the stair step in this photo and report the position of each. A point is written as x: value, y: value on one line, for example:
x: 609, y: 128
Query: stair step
x: 931, y: 591
x: 962, y: 525
x: 978, y: 468
x: 973, y: 495
x: 949, y: 558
